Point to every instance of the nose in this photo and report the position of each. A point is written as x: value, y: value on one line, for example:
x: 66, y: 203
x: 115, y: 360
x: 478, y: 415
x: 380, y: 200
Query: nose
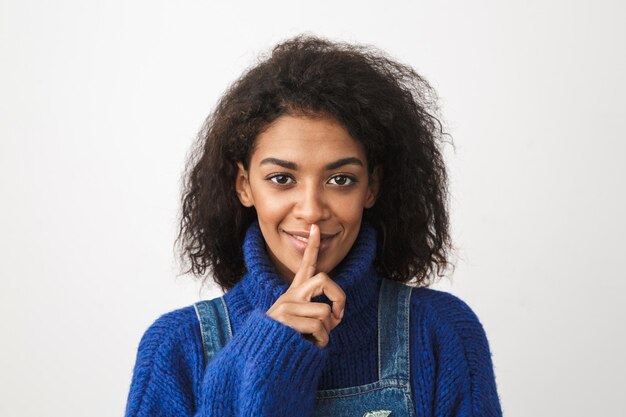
x: 311, y: 204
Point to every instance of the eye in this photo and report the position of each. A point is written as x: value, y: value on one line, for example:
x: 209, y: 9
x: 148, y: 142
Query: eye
x: 281, y: 179
x: 343, y: 180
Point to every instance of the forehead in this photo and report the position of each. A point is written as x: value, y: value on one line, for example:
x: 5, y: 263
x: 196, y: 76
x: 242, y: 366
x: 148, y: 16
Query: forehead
x: 306, y: 139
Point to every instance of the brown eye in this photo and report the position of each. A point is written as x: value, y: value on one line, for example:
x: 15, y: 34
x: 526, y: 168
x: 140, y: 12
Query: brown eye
x: 280, y: 179
x: 343, y: 180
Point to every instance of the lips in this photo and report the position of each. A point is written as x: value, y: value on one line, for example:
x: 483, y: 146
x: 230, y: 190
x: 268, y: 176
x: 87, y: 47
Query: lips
x: 304, y: 236
x: 300, y: 240
x: 303, y: 239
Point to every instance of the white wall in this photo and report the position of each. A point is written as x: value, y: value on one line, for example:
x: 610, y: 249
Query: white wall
x: 99, y: 103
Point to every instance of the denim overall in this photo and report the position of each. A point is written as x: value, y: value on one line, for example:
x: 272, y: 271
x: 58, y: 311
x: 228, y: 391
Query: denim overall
x: 389, y: 396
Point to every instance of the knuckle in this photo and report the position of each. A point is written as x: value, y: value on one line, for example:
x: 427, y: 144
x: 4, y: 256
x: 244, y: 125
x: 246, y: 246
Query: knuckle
x: 279, y: 316
x: 319, y: 327
x: 281, y: 308
x: 319, y: 279
x: 326, y: 309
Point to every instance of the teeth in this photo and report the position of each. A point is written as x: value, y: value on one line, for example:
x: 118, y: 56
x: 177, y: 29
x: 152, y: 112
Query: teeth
x: 304, y: 239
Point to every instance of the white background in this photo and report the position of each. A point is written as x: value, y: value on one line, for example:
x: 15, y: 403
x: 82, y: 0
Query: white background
x: 100, y: 102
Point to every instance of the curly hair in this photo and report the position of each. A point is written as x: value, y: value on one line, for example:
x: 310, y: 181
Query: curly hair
x: 385, y: 105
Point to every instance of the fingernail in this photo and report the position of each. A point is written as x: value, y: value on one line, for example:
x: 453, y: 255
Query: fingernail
x: 341, y: 314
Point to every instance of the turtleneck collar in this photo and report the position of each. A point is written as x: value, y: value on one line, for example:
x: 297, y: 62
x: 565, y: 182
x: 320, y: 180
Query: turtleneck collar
x: 261, y: 286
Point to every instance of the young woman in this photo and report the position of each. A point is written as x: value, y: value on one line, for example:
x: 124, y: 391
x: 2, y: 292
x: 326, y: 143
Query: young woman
x: 317, y: 192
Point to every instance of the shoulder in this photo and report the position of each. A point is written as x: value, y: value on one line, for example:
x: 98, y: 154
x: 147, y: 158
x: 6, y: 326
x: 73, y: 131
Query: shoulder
x: 172, y: 335
x: 169, y: 363
x: 171, y: 325
x: 449, y: 316
x: 446, y: 306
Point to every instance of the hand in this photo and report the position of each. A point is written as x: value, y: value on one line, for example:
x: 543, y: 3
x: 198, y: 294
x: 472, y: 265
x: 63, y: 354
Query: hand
x: 295, y: 309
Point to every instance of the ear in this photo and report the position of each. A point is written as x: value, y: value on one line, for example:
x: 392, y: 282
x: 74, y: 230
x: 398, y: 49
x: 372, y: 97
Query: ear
x: 242, y: 186
x: 373, y: 186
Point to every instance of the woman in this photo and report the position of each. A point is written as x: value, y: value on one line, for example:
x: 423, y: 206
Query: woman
x: 316, y: 193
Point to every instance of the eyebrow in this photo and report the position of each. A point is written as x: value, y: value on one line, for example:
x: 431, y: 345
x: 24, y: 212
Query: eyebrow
x: 293, y: 166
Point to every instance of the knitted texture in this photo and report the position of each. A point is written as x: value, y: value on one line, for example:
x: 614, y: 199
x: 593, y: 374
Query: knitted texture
x: 269, y: 369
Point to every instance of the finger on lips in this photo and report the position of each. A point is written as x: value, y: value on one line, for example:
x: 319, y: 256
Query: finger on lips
x: 309, y: 258
x: 328, y: 286
x: 295, y: 308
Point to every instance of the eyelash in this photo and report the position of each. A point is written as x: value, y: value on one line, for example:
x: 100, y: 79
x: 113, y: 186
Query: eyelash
x: 352, y: 180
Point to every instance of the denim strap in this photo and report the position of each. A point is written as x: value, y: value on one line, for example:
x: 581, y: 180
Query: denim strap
x: 214, y: 325
x: 393, y: 330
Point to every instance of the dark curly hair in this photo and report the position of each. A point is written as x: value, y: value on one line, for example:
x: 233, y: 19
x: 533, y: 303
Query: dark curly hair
x: 390, y: 109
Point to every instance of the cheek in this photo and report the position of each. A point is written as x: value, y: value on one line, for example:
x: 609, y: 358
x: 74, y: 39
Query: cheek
x: 270, y: 210
x: 350, y: 210
x: 269, y: 206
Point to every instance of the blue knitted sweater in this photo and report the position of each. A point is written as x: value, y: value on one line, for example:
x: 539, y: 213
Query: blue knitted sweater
x: 269, y: 369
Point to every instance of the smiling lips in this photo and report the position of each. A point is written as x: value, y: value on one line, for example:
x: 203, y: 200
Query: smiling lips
x: 301, y: 239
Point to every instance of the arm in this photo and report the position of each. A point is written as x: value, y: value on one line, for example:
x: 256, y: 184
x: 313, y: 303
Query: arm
x: 266, y: 369
x: 452, y: 370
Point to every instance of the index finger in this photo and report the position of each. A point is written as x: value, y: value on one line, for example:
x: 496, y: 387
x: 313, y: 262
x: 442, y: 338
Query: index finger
x: 309, y: 259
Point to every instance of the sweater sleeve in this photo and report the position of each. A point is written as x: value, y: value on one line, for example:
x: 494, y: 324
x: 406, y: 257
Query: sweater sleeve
x: 451, y: 367
x: 266, y: 369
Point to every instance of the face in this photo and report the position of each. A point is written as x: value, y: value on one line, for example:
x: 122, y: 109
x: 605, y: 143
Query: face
x: 304, y: 171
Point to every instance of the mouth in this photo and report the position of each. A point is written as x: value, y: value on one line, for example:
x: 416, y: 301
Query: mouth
x: 301, y: 239
x: 304, y: 236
